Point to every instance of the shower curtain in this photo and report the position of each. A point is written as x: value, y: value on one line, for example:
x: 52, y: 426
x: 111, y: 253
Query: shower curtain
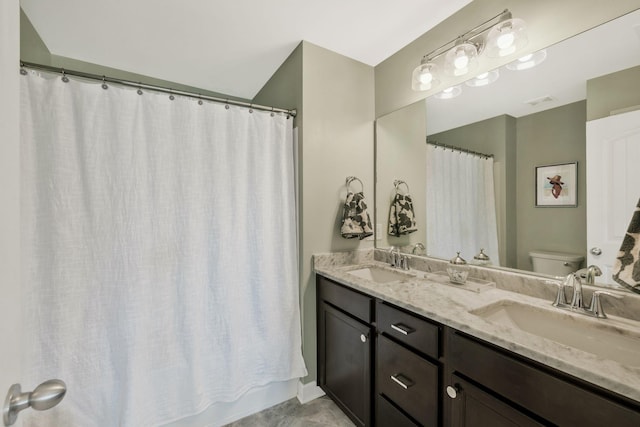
x: 461, y: 213
x: 160, y: 239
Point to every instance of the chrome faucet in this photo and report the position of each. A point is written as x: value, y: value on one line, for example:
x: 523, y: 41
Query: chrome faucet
x: 416, y: 247
x: 590, y: 273
x: 396, y: 259
x: 577, y: 305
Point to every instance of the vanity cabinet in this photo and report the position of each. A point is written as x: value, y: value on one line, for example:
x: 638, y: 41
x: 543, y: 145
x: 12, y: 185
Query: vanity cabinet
x: 421, y: 373
x: 345, y: 349
x: 407, y: 369
x: 487, y: 385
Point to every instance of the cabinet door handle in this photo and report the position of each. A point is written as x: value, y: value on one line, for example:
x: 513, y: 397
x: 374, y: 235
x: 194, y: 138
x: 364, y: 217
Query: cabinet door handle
x: 403, y: 329
x: 452, y: 391
x: 402, y: 381
x: 363, y: 338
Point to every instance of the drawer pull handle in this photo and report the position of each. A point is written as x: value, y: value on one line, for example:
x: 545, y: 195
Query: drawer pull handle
x: 403, y: 329
x: 402, y: 381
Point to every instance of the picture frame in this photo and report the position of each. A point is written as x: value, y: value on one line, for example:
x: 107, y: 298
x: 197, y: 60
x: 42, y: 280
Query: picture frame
x: 557, y: 185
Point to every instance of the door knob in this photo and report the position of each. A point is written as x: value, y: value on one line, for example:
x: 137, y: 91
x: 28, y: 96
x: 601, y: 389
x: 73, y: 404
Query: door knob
x: 363, y: 338
x: 45, y: 396
x: 596, y: 251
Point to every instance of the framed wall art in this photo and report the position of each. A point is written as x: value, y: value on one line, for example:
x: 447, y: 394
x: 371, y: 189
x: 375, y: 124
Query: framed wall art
x: 557, y: 185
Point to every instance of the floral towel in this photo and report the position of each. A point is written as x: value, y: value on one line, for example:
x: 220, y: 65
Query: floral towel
x: 627, y: 265
x: 355, y: 219
x: 402, y: 219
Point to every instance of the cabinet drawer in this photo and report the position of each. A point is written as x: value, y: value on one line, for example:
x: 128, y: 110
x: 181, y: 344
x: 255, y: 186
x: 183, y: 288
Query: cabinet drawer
x: 550, y: 394
x: 408, y: 380
x: 388, y: 415
x: 353, y: 302
x: 409, y: 329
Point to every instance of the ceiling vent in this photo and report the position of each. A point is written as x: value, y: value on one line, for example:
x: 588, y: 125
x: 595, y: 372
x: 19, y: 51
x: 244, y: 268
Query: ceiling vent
x: 536, y: 101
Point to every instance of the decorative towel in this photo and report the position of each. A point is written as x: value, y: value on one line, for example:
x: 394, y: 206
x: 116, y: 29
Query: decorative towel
x: 402, y: 219
x: 355, y: 220
x: 627, y: 265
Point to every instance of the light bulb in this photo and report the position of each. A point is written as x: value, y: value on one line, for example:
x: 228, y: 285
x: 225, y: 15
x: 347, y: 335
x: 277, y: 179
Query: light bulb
x: 426, y: 77
x: 505, y: 40
x: 461, y: 61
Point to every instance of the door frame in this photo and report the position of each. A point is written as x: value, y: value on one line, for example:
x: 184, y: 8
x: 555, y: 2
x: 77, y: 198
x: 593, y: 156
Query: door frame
x: 10, y: 294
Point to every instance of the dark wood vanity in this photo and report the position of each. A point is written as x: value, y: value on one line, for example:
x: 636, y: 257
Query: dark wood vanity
x: 386, y: 366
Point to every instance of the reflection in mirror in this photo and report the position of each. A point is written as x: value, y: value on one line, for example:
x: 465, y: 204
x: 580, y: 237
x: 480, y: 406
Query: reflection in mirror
x: 534, y: 117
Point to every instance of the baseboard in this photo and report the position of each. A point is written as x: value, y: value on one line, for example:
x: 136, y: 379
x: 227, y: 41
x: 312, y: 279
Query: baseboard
x: 309, y: 391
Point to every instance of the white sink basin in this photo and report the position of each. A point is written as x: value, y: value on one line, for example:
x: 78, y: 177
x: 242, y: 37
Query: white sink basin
x: 379, y: 275
x: 601, y: 337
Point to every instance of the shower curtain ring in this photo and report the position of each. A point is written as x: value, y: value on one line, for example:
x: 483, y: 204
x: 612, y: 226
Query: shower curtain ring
x: 171, y: 97
x: 226, y: 104
x: 139, y: 91
x: 272, y: 113
x: 104, y: 84
x: 64, y: 76
x: 22, y: 70
x: 199, y: 99
x: 250, y: 108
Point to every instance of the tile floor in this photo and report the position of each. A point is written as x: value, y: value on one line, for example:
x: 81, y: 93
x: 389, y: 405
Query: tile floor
x: 317, y: 413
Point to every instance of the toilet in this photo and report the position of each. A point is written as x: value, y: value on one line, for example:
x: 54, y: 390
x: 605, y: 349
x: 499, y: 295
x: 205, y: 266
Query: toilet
x: 555, y: 263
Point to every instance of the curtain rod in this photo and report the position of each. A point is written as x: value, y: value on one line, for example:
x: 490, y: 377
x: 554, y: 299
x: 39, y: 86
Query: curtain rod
x: 460, y: 150
x: 156, y: 88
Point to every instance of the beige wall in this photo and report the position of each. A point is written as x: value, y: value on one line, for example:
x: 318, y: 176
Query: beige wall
x: 612, y: 93
x: 549, y: 21
x: 335, y: 120
x: 401, y: 153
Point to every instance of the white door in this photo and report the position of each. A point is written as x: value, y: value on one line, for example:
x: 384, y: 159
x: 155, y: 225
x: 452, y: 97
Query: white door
x: 10, y: 302
x: 613, y: 186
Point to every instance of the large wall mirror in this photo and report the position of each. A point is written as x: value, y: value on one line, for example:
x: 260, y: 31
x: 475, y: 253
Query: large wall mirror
x: 526, y: 120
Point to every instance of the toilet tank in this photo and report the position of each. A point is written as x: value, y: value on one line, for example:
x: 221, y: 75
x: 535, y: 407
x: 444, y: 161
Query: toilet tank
x: 555, y: 263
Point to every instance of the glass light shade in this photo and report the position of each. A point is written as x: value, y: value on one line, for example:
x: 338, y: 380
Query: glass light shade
x: 528, y: 61
x: 506, y: 38
x: 425, y: 76
x: 461, y: 59
x: 450, y: 92
x: 483, y: 79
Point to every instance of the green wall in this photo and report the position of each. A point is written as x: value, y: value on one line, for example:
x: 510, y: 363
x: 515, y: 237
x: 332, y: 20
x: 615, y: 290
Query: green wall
x: 335, y: 138
x: 550, y: 137
x: 613, y: 92
x: 401, y: 153
x: 519, y: 145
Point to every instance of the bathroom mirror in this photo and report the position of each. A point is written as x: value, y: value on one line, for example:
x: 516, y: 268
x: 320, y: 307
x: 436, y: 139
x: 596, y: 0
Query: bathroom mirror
x: 525, y: 119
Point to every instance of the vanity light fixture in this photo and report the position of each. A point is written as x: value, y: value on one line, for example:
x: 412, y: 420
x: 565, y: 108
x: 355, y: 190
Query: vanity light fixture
x: 483, y: 79
x: 528, y: 61
x: 501, y: 35
x: 425, y: 76
x: 450, y: 92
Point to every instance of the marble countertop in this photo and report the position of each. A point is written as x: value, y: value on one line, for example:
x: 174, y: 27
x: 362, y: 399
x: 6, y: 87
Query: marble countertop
x: 451, y: 306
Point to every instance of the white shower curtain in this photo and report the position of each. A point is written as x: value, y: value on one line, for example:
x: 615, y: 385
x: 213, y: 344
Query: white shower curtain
x: 461, y: 213
x: 159, y: 239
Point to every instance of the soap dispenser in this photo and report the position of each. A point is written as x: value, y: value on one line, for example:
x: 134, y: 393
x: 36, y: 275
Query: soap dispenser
x: 482, y: 258
x: 458, y: 270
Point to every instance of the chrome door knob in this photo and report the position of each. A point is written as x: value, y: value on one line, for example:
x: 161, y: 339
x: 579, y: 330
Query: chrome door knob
x: 45, y: 396
x: 596, y: 251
